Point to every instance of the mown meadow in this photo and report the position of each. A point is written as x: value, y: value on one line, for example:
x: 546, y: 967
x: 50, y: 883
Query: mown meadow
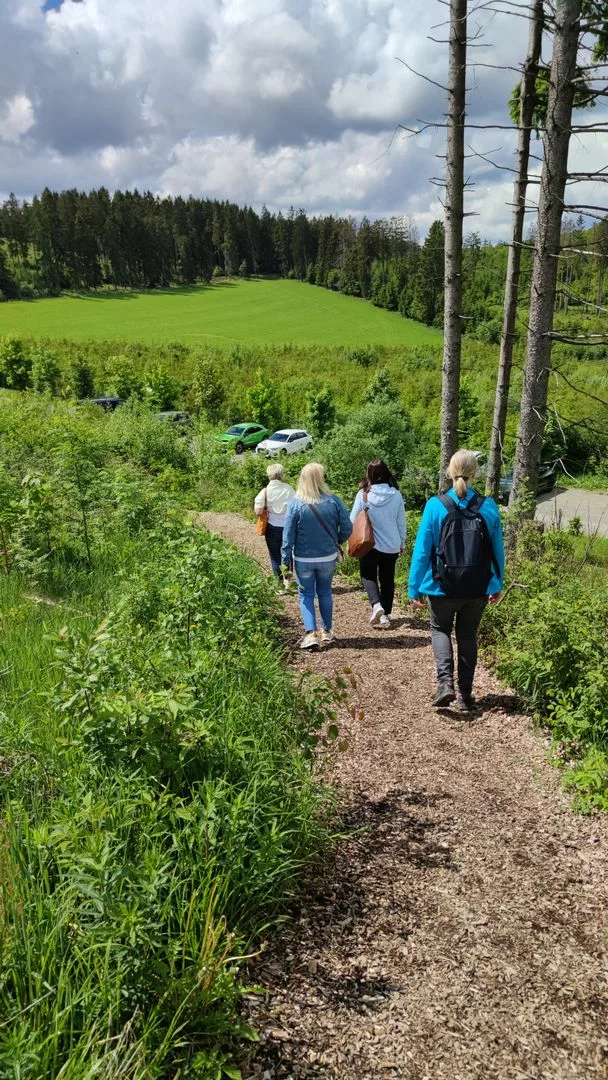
x: 159, y: 799
x: 257, y: 311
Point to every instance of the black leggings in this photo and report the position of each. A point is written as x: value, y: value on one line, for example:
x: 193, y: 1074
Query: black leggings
x: 378, y: 578
x: 274, y: 541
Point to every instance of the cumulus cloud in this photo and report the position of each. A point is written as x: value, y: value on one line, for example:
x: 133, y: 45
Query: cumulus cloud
x: 283, y: 102
x: 17, y: 119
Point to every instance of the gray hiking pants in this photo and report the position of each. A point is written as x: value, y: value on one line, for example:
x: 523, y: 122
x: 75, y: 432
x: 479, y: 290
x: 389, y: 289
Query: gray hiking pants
x: 465, y: 615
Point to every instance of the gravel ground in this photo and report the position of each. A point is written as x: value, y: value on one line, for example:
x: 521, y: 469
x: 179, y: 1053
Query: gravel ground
x: 459, y: 932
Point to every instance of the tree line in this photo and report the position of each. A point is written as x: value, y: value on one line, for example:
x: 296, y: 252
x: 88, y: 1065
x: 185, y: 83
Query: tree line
x: 78, y: 241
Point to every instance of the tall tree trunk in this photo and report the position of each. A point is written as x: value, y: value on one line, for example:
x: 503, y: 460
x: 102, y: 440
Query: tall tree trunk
x: 454, y: 213
x: 544, y: 274
x: 526, y: 115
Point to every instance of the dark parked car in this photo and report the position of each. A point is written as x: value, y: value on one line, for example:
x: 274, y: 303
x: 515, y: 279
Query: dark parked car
x: 546, y: 481
x: 107, y: 403
x: 173, y: 416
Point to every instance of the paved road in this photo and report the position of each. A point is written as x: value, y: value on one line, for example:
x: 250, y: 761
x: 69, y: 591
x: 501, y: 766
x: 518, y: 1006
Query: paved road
x: 563, y: 504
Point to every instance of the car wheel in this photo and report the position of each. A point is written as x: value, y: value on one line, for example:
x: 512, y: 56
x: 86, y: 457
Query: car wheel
x: 239, y: 448
x: 283, y: 453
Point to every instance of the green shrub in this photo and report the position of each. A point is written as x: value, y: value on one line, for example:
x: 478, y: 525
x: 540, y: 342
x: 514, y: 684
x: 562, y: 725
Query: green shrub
x: 208, y: 391
x: 15, y: 363
x: 380, y: 391
x: 550, y: 642
x: 371, y: 432
x: 161, y: 389
x: 81, y: 378
x: 46, y: 370
x: 264, y: 403
x: 122, y: 378
x: 363, y: 357
x: 321, y: 412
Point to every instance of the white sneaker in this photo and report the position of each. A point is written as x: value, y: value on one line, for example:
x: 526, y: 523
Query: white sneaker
x: 327, y: 636
x: 310, y: 641
x: 384, y: 622
x: 376, y: 615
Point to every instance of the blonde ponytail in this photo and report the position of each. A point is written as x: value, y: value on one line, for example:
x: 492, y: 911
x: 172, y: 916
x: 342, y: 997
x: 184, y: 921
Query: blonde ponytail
x: 462, y: 470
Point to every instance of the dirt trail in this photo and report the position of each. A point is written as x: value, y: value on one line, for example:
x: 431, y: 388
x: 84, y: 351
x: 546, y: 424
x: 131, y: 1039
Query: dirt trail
x: 462, y: 934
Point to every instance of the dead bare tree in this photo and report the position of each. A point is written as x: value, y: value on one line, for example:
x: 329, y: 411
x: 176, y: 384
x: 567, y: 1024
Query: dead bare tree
x: 454, y: 216
x: 527, y: 99
x: 556, y: 140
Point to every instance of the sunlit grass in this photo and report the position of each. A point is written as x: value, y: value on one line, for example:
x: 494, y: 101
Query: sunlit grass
x: 253, y: 312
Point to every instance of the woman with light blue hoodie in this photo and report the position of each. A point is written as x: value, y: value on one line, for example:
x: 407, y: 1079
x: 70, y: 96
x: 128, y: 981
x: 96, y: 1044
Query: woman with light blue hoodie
x: 380, y: 493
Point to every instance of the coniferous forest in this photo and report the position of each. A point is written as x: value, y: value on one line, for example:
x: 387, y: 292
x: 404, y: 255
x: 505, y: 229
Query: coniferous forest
x: 80, y: 241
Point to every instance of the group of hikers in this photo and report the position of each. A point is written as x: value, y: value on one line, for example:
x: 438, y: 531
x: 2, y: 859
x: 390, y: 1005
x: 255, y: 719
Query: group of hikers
x: 457, y: 564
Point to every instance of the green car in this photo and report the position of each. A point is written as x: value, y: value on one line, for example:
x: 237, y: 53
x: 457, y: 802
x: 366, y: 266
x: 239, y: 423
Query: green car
x: 242, y: 436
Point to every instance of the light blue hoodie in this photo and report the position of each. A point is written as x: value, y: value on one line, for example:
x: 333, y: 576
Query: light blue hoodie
x: 386, y: 515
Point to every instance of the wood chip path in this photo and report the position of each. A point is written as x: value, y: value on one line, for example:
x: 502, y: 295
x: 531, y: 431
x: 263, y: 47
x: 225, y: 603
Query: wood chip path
x: 460, y: 931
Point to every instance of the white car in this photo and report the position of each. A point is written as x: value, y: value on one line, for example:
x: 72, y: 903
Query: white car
x: 285, y: 441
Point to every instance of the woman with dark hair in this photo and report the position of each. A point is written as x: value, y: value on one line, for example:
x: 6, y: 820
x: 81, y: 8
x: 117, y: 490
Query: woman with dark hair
x: 379, y: 492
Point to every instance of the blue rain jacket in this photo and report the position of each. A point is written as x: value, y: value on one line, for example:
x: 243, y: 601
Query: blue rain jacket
x: 422, y: 582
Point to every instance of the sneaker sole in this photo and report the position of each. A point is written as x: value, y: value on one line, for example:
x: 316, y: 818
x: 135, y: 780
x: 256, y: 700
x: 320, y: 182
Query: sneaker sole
x: 376, y: 618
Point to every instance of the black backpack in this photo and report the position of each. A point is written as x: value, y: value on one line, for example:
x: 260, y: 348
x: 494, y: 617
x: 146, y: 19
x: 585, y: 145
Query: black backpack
x: 464, y: 558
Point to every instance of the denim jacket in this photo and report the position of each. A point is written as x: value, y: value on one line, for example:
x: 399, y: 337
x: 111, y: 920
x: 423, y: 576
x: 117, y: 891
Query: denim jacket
x: 305, y: 538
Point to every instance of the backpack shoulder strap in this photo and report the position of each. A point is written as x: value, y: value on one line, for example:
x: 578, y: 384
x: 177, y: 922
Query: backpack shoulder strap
x: 476, y: 502
x: 365, y: 493
x: 449, y: 503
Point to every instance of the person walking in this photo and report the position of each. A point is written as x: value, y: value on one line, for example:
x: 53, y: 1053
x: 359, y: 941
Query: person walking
x: 317, y: 523
x: 458, y: 564
x: 379, y: 493
x: 274, y: 499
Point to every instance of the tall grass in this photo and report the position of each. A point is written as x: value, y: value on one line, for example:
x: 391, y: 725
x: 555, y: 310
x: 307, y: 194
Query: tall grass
x: 158, y: 798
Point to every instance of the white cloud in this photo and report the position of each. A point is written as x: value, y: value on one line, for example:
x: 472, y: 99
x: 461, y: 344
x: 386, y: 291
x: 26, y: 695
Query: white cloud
x: 17, y: 118
x: 277, y: 101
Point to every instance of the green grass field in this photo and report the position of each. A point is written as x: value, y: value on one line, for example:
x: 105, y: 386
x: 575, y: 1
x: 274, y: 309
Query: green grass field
x: 256, y: 312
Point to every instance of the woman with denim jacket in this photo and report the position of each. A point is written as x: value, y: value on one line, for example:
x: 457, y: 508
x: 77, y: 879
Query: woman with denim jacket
x: 316, y: 523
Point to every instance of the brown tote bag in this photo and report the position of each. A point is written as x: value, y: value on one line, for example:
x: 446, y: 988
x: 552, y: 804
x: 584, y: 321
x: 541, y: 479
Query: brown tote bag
x: 262, y: 521
x: 361, y: 539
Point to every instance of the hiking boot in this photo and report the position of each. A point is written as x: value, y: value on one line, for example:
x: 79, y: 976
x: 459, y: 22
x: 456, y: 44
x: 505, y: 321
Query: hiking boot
x: 327, y: 636
x: 376, y: 615
x: 384, y: 622
x: 444, y: 696
x: 310, y: 641
x: 465, y: 702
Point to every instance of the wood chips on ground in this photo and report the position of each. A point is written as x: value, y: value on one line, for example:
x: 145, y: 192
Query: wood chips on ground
x: 459, y: 932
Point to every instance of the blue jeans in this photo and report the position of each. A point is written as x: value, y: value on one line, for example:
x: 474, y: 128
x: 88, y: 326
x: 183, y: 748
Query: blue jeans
x: 314, y: 579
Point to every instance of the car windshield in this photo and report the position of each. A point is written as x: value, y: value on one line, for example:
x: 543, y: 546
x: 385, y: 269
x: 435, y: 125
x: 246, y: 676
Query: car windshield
x: 238, y: 429
x: 279, y: 436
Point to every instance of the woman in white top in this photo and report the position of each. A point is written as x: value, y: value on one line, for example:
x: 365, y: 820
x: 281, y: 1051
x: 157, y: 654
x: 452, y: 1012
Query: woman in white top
x: 276, y: 497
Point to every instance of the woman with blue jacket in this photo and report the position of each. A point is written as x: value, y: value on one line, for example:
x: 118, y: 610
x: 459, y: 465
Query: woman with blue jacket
x: 380, y: 493
x: 316, y: 523
x: 445, y: 538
